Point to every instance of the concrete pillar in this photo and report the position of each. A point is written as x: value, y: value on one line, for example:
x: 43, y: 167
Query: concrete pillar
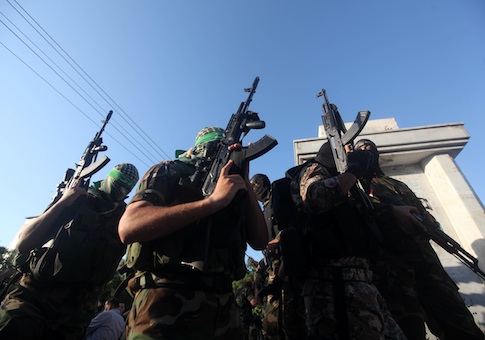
x: 459, y: 203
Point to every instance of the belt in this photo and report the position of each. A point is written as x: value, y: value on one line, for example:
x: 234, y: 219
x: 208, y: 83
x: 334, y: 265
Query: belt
x: 217, y: 283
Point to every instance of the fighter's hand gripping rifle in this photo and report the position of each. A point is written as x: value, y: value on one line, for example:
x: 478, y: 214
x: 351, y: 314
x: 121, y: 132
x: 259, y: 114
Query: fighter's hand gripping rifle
x: 239, y: 125
x: 87, y: 166
x: 338, y: 137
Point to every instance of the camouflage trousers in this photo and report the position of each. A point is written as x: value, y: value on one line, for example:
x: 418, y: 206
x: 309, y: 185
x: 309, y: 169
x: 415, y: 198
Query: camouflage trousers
x: 448, y: 316
x: 47, y: 313
x: 293, y: 313
x: 272, y: 326
x: 284, y: 316
x: 169, y: 313
x: 395, y: 280
x: 341, y: 303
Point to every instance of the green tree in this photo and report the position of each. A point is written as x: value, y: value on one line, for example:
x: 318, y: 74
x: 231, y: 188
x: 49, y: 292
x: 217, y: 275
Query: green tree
x: 251, y: 266
x: 6, y: 259
x: 7, y: 270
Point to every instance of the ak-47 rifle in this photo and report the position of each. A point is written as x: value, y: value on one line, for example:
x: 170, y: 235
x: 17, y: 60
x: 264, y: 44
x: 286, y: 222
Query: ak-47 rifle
x: 87, y: 166
x: 338, y: 137
x: 209, y: 168
x: 337, y: 134
x: 451, y: 246
x: 239, y: 125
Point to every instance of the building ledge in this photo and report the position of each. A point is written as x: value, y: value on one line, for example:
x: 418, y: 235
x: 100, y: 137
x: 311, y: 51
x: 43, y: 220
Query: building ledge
x: 399, y: 146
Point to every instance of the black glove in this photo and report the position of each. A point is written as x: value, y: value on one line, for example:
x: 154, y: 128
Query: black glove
x: 361, y: 164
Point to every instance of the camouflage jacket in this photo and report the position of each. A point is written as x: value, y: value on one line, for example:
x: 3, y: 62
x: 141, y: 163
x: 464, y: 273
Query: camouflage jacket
x: 218, y: 242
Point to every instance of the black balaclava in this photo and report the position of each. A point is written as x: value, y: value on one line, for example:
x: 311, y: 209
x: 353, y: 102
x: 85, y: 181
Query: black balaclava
x: 325, y: 157
x: 261, y: 187
x: 368, y: 145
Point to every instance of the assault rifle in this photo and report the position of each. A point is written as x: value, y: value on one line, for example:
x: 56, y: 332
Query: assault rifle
x: 337, y: 134
x: 209, y: 168
x: 452, y: 247
x: 338, y: 137
x: 87, y: 166
x: 239, y: 125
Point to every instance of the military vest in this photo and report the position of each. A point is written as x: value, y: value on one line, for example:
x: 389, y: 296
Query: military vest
x: 86, y: 248
x: 342, y: 231
x: 215, y: 244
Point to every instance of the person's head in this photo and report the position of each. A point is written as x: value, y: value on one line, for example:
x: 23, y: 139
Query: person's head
x: 365, y: 144
x: 111, y: 303
x: 207, y: 143
x: 119, y: 182
x: 122, y: 307
x: 325, y: 157
x: 261, y: 186
x: 368, y: 145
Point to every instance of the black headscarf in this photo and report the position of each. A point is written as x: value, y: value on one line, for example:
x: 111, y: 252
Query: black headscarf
x: 261, y: 186
x: 372, y: 148
x: 325, y: 158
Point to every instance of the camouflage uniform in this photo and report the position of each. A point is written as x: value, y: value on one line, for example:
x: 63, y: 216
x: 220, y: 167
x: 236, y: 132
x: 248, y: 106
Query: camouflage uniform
x: 283, y: 313
x: 411, y: 278
x: 62, y: 307
x: 243, y: 296
x: 272, y: 325
x: 159, y: 312
x: 176, y: 298
x: 272, y: 314
x: 340, y: 300
x: 39, y: 311
x: 293, y: 313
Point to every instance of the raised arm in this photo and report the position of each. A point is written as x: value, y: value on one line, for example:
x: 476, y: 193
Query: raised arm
x: 143, y: 221
x: 43, y: 227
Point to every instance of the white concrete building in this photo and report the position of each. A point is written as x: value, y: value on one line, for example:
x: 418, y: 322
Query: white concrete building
x: 423, y: 158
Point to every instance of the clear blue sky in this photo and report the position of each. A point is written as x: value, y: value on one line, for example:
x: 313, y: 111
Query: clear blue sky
x: 170, y: 68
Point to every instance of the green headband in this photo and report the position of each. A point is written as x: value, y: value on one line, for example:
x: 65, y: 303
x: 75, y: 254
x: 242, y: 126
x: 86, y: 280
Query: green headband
x: 119, y: 176
x: 209, y: 138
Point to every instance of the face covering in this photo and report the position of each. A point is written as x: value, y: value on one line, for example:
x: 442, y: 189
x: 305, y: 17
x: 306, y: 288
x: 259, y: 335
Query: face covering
x: 206, y: 144
x: 119, y: 182
x: 261, y: 185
